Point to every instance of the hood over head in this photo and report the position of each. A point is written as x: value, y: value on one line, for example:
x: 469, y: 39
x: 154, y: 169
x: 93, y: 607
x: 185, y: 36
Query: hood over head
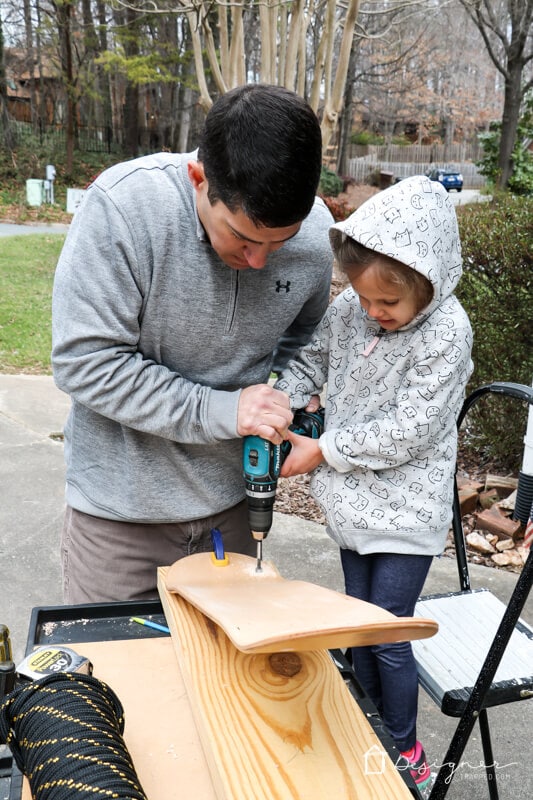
x: 414, y: 222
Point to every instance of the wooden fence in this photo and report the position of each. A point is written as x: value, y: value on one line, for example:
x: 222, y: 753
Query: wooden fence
x: 367, y: 169
x: 419, y: 153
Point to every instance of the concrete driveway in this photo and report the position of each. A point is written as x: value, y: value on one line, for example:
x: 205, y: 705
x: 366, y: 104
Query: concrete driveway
x: 468, y: 196
x: 12, y: 229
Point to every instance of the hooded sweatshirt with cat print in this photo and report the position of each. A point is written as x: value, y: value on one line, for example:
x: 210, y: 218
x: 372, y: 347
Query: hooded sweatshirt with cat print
x: 392, y: 397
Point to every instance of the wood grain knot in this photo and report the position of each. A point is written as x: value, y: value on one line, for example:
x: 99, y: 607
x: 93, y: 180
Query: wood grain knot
x: 287, y: 664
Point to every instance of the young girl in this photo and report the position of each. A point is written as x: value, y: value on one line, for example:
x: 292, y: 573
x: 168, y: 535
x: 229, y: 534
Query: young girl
x: 394, y: 352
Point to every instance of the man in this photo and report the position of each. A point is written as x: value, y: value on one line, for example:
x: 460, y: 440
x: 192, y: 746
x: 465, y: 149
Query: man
x: 184, y: 281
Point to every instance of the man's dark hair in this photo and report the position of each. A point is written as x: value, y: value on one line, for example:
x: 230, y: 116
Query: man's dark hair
x: 261, y: 150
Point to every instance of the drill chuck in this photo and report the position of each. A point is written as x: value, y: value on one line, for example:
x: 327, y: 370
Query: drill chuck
x: 260, y: 519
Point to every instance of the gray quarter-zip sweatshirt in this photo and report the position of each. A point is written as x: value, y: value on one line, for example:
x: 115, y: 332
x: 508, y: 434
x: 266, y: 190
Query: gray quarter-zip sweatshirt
x: 154, y: 337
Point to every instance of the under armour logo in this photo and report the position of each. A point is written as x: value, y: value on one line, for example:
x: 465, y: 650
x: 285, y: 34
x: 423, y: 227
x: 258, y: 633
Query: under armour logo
x: 280, y: 286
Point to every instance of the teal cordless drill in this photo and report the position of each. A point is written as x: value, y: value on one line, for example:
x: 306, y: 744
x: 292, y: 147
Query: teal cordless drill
x: 262, y: 463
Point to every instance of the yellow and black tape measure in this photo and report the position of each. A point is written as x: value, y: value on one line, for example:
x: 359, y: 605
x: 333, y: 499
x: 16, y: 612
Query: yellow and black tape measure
x: 51, y: 659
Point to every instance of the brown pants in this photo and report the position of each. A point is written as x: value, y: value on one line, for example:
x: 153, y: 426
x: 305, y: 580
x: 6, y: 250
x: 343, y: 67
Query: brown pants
x: 105, y: 561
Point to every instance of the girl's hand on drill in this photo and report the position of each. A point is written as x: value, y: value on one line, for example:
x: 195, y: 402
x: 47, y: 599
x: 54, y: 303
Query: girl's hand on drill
x: 304, y: 456
x: 264, y: 411
x: 314, y: 404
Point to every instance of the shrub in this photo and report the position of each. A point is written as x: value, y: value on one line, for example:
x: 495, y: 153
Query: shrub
x: 374, y: 178
x: 330, y: 184
x: 366, y: 137
x: 340, y: 209
x: 521, y: 180
x: 497, y: 292
x: 30, y: 158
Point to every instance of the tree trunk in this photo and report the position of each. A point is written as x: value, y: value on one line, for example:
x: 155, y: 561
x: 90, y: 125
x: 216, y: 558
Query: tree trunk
x: 30, y: 56
x: 93, y: 115
x: 187, y: 99
x: 237, y: 61
x: 511, y: 114
x: 205, y: 98
x: 185, y: 121
x: 449, y: 131
x: 345, y: 129
x: 131, y: 98
x: 5, y: 123
x: 293, y: 40
x: 506, y: 30
x: 104, y: 80
x: 333, y: 106
x: 268, y: 45
x: 64, y: 23
x: 131, y: 119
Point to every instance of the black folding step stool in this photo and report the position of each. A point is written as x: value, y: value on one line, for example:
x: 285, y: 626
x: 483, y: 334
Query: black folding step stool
x: 483, y: 653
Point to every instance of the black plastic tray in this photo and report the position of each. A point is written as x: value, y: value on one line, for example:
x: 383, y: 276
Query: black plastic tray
x: 93, y: 622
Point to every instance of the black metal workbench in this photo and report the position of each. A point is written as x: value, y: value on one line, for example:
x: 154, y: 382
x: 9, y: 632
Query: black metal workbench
x: 98, y: 622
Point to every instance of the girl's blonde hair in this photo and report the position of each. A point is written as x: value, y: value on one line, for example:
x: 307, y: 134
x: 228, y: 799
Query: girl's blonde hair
x: 353, y: 259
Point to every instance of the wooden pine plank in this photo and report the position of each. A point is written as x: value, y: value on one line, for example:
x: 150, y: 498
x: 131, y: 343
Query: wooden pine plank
x: 266, y: 613
x: 275, y: 736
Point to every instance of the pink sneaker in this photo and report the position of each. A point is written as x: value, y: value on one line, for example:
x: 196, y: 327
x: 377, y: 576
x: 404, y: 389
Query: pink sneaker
x: 415, y: 761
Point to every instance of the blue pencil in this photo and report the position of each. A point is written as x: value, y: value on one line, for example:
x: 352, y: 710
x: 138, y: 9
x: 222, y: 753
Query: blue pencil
x: 149, y: 624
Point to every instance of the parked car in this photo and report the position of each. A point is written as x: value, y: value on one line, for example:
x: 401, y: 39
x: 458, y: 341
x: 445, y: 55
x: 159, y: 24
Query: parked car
x: 450, y: 179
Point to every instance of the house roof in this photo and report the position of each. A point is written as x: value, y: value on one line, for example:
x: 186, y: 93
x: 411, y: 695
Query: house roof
x: 18, y: 70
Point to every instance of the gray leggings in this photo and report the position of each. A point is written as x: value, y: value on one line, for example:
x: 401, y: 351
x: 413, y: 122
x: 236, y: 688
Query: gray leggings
x: 104, y: 560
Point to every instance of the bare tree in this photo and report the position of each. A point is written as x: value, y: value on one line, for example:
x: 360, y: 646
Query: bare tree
x: 63, y: 10
x: 30, y: 53
x: 224, y: 56
x: 506, y: 28
x: 131, y: 104
x: 334, y: 84
x: 67, y: 40
x: 407, y: 74
x: 158, y: 64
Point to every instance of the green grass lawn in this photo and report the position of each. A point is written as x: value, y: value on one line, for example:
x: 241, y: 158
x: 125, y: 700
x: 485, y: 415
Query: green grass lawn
x: 27, y: 265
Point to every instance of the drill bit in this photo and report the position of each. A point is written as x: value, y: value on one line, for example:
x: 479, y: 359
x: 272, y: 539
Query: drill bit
x: 258, y: 536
